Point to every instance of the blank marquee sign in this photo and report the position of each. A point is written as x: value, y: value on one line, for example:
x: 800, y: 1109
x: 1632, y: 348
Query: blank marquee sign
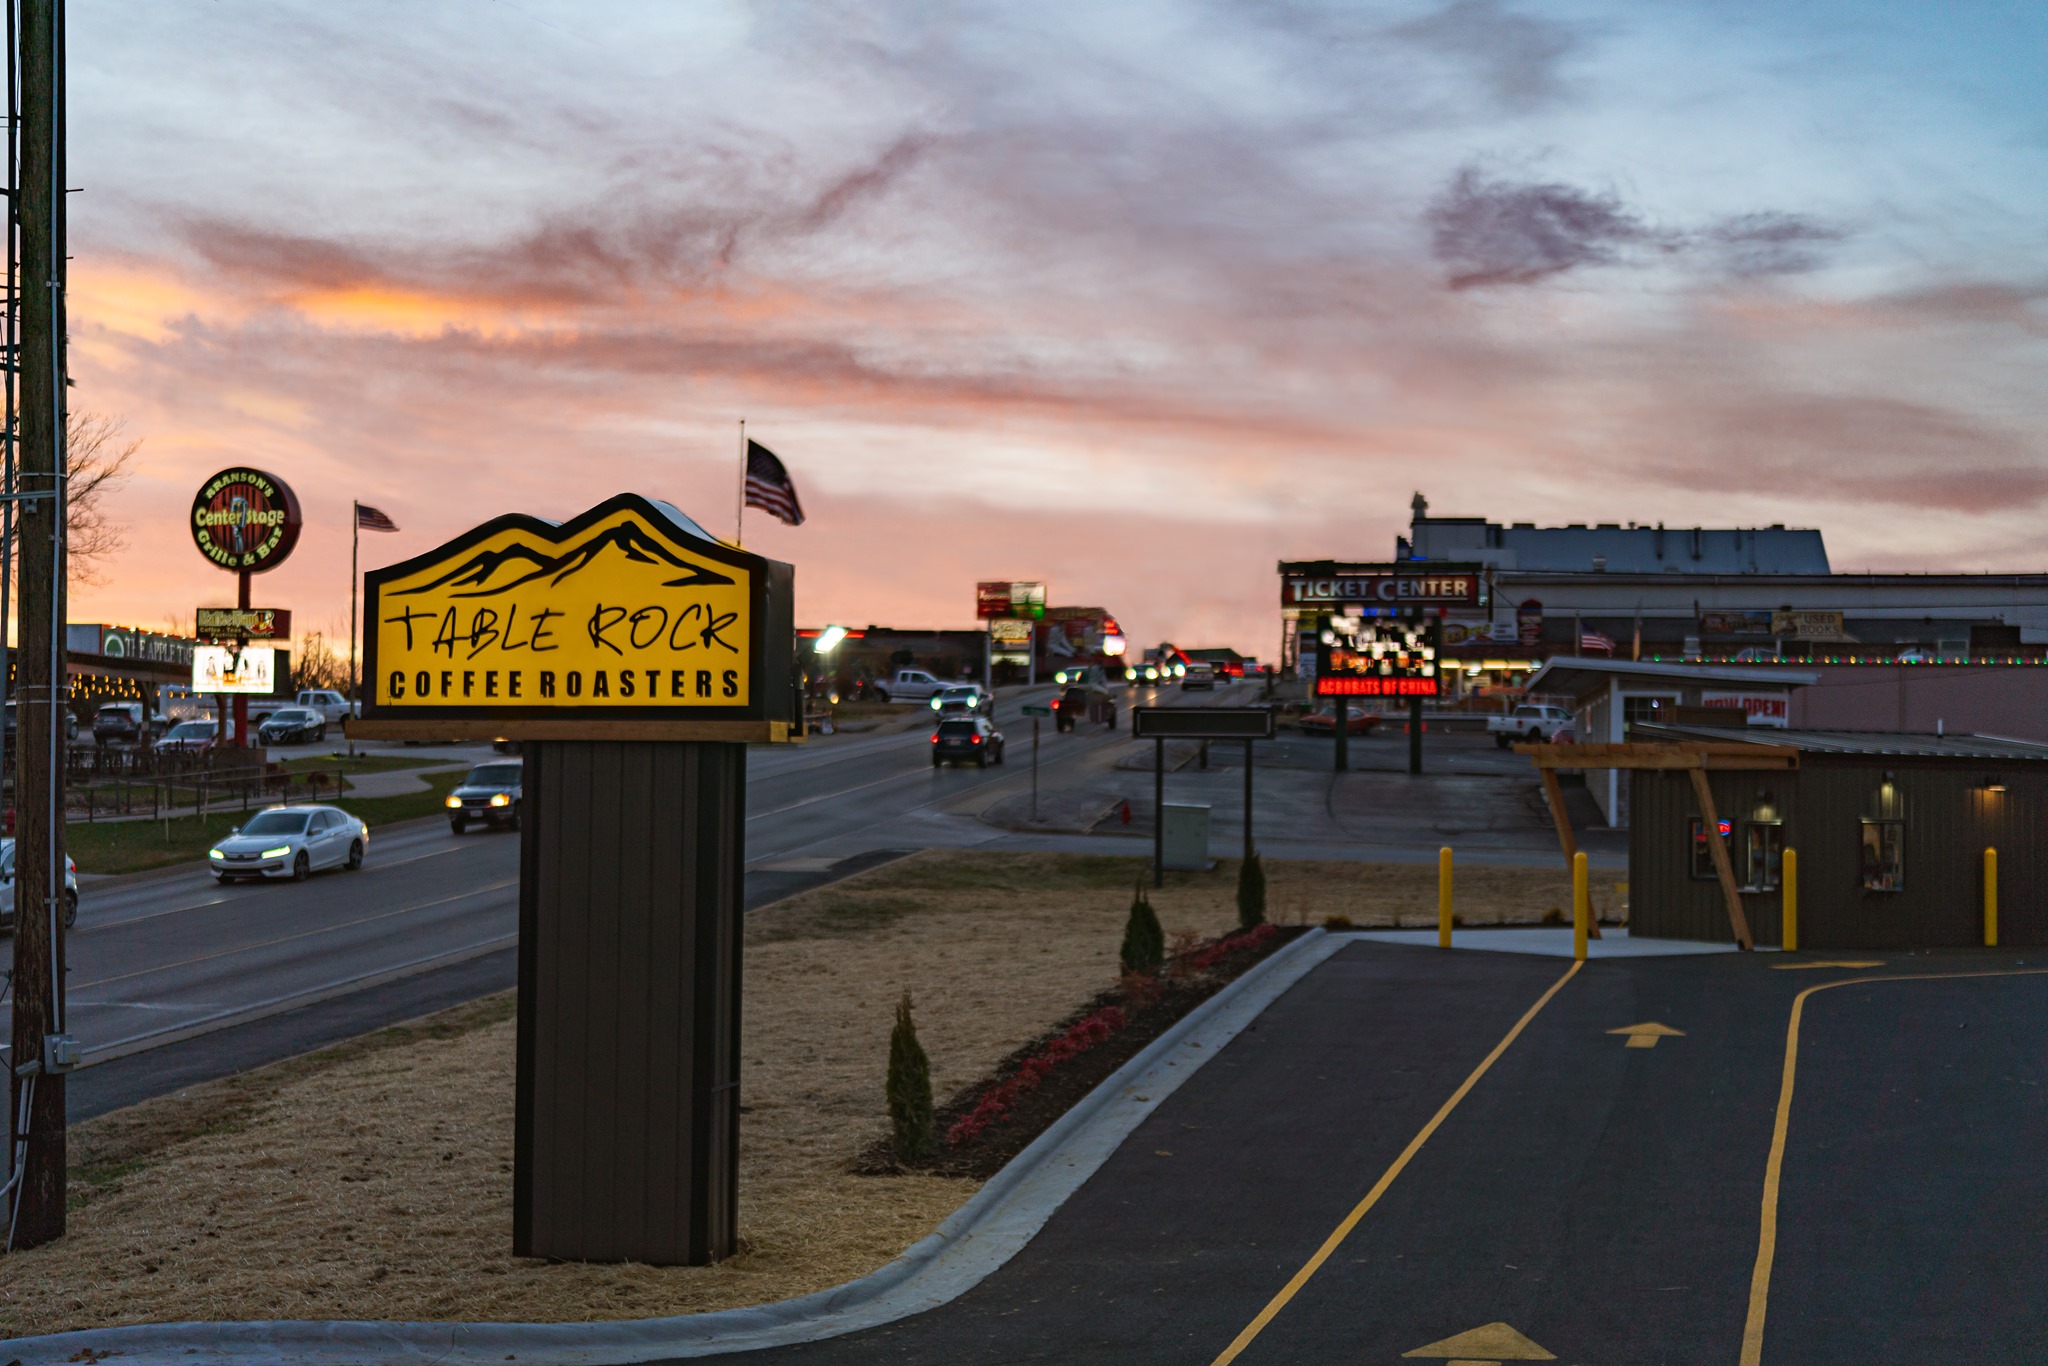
x: 633, y: 657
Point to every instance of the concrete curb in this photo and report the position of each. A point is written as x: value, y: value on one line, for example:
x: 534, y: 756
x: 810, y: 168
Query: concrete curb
x: 981, y: 1236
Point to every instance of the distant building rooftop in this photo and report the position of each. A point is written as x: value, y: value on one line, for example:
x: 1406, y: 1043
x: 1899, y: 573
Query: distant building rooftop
x: 1876, y: 743
x: 1612, y: 547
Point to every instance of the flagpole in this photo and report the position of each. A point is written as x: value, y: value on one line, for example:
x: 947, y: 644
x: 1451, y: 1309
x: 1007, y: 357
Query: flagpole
x: 355, y: 544
x: 739, y: 515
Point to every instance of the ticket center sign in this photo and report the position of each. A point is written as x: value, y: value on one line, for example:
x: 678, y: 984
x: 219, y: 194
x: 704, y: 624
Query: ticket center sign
x: 627, y: 622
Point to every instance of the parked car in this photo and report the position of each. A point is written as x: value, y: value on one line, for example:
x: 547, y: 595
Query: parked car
x: 290, y: 841
x: 1079, y: 703
x: 961, y: 738
x: 1531, y: 721
x: 7, y: 887
x: 189, y: 737
x: 966, y: 699
x: 909, y: 685
x: 70, y: 726
x: 1357, y: 721
x: 117, y: 723
x: 489, y: 795
x: 292, y: 726
x: 1199, y: 676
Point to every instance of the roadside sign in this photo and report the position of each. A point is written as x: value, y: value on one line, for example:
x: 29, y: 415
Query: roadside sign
x: 1037, y: 709
x: 253, y: 623
x: 628, y: 616
x: 1203, y: 723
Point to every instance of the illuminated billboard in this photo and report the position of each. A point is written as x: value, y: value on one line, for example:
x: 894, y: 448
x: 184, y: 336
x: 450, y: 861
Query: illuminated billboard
x: 1361, y: 656
x: 215, y: 668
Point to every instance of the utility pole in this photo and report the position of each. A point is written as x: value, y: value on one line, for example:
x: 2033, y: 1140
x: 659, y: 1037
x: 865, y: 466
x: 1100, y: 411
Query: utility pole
x: 41, y: 1053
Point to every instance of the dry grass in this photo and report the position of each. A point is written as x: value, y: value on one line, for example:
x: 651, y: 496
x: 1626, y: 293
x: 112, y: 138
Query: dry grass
x: 373, y: 1180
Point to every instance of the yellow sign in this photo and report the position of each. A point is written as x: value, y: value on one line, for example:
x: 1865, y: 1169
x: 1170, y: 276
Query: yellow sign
x: 1488, y: 1345
x: 629, y: 611
x: 1646, y: 1035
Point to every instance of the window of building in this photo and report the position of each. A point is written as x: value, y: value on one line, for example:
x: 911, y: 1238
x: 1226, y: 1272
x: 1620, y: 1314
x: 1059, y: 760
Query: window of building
x: 1763, y: 854
x: 1884, y: 840
x: 1884, y: 856
x: 1644, y: 708
x: 1702, y: 853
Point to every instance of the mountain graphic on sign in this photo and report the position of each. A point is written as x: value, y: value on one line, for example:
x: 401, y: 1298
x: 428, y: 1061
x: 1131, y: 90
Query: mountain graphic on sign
x: 492, y: 572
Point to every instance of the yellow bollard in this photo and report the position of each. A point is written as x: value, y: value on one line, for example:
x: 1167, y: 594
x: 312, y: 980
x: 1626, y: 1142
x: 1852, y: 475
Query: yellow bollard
x: 1789, y: 939
x: 1443, y: 897
x: 1582, y: 907
x: 1991, y: 898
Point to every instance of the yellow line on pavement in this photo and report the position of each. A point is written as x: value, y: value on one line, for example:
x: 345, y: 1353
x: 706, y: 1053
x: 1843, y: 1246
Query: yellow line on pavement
x: 1767, y: 1232
x: 1379, y: 1187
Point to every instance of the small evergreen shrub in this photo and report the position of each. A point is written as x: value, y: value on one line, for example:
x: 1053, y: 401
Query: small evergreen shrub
x: 1144, y: 942
x: 909, y: 1087
x: 1251, y: 893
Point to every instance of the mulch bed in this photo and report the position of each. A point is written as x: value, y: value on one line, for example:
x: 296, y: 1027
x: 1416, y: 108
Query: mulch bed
x: 985, y: 1125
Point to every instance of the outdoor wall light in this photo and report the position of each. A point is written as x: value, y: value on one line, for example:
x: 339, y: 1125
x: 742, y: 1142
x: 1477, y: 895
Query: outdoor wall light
x: 1991, y: 783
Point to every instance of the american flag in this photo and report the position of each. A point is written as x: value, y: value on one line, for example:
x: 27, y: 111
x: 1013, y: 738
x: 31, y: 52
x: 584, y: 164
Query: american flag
x: 369, y: 519
x: 769, y: 487
x: 1596, y: 642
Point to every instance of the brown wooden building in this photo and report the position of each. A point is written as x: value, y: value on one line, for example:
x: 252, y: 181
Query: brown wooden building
x: 1890, y: 829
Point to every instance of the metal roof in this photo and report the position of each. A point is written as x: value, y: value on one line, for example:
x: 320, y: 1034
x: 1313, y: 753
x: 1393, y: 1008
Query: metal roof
x: 1615, y: 548
x: 1874, y: 743
x: 1580, y: 674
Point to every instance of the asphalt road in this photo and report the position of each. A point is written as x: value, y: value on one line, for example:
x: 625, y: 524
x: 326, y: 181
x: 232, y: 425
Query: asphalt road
x: 1324, y: 1190
x: 205, y: 980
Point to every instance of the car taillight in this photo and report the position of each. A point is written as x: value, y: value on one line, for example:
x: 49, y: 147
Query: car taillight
x: 935, y: 739
x: 977, y: 739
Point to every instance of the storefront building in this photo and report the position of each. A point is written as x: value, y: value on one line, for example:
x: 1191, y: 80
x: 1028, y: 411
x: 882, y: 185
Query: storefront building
x: 1890, y: 832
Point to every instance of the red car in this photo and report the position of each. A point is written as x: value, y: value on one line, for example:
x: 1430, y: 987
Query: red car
x: 1360, y: 722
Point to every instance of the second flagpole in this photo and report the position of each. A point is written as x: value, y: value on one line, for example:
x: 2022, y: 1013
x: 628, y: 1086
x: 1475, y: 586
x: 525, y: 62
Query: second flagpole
x: 739, y: 515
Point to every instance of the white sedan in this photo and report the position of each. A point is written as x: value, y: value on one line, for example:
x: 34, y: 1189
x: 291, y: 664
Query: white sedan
x: 7, y: 887
x: 291, y: 841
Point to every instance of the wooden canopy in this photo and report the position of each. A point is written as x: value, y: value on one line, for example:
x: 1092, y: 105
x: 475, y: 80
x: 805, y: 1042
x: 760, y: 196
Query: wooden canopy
x: 1697, y: 757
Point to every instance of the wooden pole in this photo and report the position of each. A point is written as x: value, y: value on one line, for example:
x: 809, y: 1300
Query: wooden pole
x: 37, y: 1210
x: 1553, y: 796
x: 1723, y: 869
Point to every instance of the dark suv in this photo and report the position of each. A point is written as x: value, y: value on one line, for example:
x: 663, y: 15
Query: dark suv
x: 490, y: 795
x: 1078, y: 704
x: 960, y: 739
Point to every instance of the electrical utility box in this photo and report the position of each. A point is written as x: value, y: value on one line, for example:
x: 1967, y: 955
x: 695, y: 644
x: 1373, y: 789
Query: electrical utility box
x: 1185, y: 828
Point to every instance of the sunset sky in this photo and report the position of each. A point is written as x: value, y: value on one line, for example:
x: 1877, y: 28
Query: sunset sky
x: 1136, y: 298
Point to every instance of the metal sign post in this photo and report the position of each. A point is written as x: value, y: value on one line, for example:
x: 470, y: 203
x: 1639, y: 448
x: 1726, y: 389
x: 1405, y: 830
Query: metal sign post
x: 633, y: 656
x: 1035, y: 710
x: 1160, y: 724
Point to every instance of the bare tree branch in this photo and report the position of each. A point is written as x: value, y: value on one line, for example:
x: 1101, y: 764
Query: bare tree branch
x: 96, y: 461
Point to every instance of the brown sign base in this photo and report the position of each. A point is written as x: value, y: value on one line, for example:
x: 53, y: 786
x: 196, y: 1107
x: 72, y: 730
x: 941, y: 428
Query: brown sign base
x: 626, y: 1137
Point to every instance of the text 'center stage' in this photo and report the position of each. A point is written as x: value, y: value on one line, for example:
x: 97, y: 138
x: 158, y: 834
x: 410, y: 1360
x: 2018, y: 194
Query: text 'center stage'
x: 628, y: 622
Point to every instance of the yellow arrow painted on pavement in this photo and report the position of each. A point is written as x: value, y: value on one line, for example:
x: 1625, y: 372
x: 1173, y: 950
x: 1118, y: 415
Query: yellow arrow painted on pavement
x: 1488, y: 1345
x: 1646, y: 1035
x: 1842, y: 963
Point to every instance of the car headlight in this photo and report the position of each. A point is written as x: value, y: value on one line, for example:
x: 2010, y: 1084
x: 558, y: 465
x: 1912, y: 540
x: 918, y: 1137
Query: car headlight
x: 935, y: 703
x: 500, y: 799
x: 453, y: 800
x: 278, y: 852
x: 215, y: 853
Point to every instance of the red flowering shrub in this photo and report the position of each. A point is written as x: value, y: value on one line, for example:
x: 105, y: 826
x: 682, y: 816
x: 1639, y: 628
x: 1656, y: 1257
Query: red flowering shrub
x: 995, y: 1102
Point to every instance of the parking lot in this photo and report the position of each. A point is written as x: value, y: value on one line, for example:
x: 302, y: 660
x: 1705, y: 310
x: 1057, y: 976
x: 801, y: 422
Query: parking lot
x: 1469, y: 1156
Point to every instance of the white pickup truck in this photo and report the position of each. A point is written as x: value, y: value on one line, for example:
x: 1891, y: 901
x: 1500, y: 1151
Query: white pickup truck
x: 1531, y: 721
x: 326, y: 701
x: 910, y: 685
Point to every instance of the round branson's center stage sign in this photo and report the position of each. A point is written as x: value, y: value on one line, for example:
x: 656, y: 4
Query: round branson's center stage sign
x: 245, y: 520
